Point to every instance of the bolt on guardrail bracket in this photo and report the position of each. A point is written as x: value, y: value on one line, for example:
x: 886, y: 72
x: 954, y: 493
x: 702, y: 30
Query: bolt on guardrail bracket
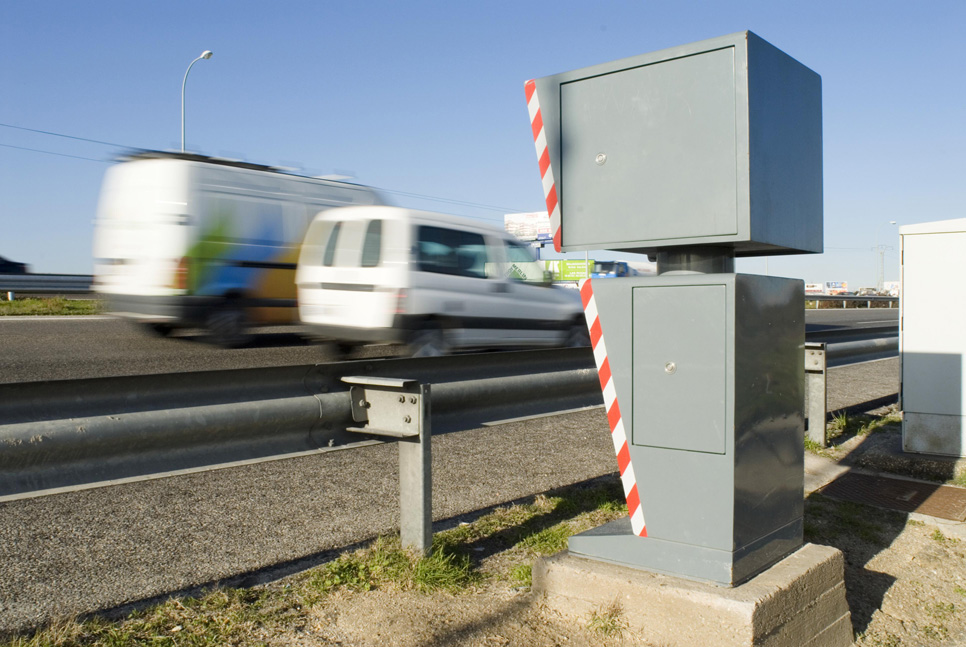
x: 400, y: 409
x: 389, y: 406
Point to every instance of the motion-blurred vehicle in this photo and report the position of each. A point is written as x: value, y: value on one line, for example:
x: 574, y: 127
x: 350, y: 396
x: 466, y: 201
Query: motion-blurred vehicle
x: 434, y: 282
x: 12, y: 267
x: 184, y: 240
x: 612, y: 269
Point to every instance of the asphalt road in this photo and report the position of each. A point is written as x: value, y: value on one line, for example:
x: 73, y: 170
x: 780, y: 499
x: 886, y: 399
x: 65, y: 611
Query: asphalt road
x: 62, y: 348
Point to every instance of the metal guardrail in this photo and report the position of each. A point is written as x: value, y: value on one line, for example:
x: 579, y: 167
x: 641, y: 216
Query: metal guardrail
x: 819, y: 356
x: 64, y: 433
x: 58, y: 434
x: 45, y: 284
x: 846, y: 298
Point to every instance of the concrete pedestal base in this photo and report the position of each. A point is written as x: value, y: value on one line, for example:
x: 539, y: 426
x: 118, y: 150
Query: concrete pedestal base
x: 798, y: 602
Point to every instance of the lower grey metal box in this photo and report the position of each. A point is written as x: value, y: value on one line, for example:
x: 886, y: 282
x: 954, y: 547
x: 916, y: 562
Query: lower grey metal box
x: 707, y: 369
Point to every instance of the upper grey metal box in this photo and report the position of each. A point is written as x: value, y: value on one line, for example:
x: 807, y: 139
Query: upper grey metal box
x: 713, y: 143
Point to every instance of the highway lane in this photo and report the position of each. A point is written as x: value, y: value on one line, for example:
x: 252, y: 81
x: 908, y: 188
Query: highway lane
x: 61, y: 348
x: 98, y: 549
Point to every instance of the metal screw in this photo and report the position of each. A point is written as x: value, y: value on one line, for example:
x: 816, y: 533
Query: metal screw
x: 402, y: 399
x: 408, y: 419
x: 412, y: 400
x: 600, y: 159
x: 670, y: 367
x: 364, y: 404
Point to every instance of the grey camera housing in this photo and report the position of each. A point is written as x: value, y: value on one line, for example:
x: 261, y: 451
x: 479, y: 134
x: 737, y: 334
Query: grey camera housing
x: 715, y: 143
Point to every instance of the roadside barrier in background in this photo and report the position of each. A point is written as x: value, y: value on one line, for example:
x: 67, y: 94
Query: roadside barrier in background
x: 44, y: 284
x: 818, y: 357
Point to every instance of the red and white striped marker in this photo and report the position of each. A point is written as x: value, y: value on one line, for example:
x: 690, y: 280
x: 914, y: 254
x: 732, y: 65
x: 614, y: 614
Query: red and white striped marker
x: 543, y: 155
x: 634, y: 508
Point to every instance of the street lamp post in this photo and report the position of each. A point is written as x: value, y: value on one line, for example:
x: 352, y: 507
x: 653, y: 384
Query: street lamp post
x: 204, y: 55
x: 880, y: 274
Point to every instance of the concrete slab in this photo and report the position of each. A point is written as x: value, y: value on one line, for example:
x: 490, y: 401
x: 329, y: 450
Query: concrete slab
x: 798, y: 601
x: 821, y: 471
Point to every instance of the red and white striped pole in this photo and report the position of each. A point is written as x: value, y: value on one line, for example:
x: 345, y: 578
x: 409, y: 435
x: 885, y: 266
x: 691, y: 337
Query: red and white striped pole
x: 634, y: 508
x: 543, y: 156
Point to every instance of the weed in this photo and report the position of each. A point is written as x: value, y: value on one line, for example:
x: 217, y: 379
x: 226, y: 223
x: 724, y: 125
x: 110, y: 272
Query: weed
x: 608, y: 622
x: 941, y: 610
x: 385, y: 563
x: 812, y: 446
x: 935, y: 632
x: 220, y: 617
x: 546, y: 542
x: 843, y: 426
x: 522, y: 574
x: 938, y: 535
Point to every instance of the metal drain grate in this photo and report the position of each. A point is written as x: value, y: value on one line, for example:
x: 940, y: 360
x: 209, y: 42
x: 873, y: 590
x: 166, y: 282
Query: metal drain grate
x: 943, y: 501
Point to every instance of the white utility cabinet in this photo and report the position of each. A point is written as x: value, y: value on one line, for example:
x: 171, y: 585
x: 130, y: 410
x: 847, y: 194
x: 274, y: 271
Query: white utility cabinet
x: 932, y: 337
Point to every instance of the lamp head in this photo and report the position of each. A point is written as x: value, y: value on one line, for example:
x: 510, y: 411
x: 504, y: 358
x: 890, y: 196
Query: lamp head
x: 206, y: 54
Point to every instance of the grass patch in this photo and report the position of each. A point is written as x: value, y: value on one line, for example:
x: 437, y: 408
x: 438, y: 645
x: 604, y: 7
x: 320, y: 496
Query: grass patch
x: 608, y: 622
x: 50, y: 306
x: 938, y: 535
x: 845, y: 426
x: 385, y: 563
x: 221, y: 617
x: 228, y: 616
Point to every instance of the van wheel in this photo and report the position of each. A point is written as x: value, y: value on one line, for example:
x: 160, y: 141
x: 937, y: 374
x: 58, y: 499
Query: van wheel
x: 227, y: 327
x: 430, y: 342
x: 578, y: 336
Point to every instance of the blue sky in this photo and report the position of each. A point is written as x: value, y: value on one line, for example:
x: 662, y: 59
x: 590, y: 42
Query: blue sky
x: 426, y: 99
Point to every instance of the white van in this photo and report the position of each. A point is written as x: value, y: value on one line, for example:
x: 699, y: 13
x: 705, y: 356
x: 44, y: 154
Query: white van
x: 432, y: 281
x: 187, y: 240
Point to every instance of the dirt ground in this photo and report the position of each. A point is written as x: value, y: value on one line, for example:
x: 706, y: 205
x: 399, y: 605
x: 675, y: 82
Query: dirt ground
x: 905, y: 586
x: 905, y: 579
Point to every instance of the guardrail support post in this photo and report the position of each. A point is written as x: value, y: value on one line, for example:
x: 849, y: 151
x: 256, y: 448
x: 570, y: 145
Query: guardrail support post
x: 401, y: 409
x: 815, y: 373
x: 416, y: 483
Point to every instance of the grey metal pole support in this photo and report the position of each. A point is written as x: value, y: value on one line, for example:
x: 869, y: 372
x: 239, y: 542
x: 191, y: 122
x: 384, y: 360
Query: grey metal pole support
x: 816, y: 364
x: 401, y: 409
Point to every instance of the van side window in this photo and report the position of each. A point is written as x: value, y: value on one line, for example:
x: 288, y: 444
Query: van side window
x: 372, y: 244
x: 450, y: 251
x: 330, y: 246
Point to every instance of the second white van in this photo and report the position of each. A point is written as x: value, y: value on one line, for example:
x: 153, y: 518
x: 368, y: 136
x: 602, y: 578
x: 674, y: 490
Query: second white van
x: 434, y: 282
